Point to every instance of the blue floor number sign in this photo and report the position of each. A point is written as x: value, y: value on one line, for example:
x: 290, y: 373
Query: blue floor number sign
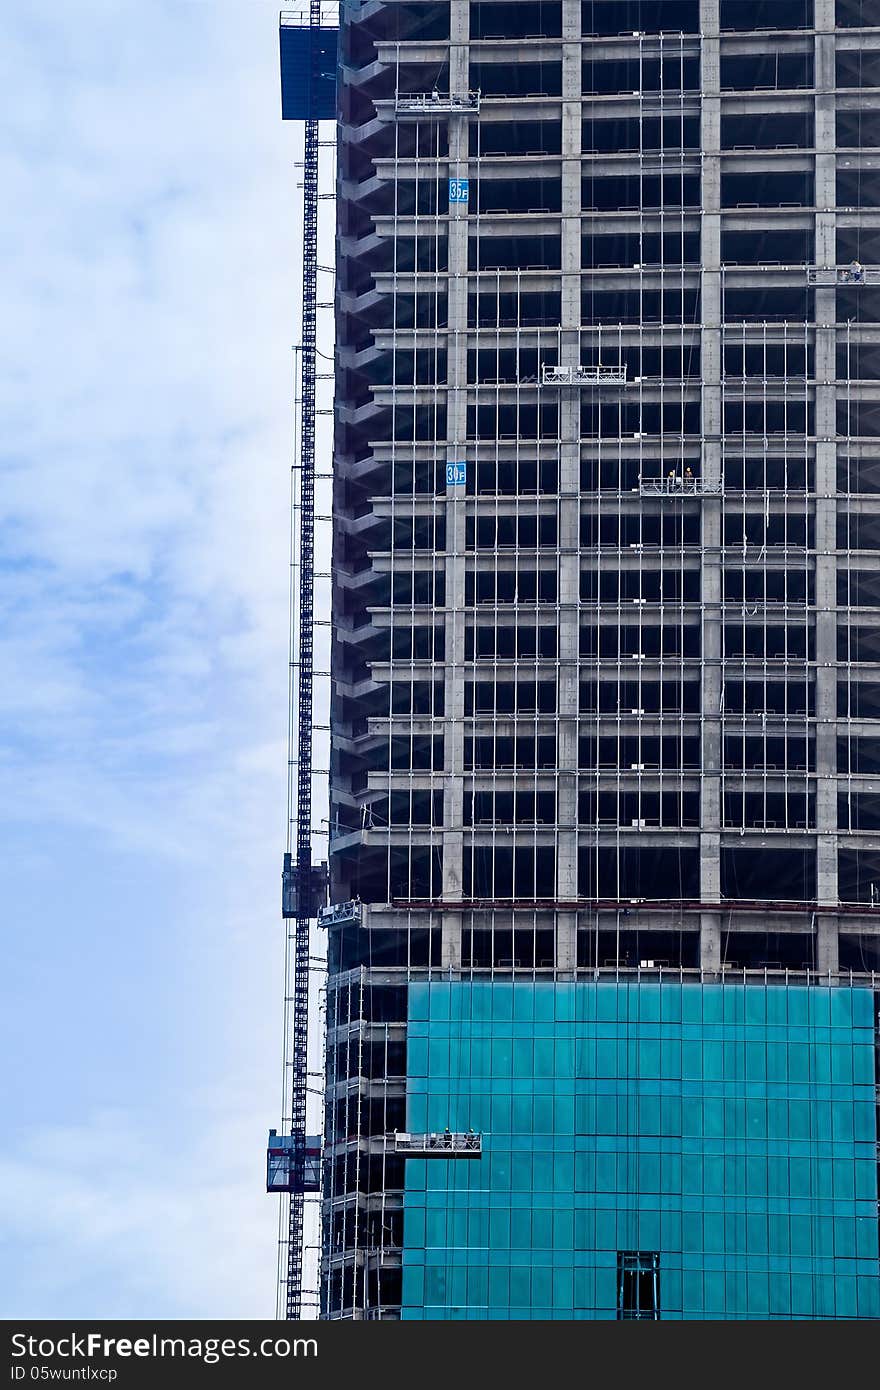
x: 456, y: 474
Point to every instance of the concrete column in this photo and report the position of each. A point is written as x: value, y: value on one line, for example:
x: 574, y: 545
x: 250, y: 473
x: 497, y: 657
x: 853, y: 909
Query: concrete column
x: 711, y: 471
x: 710, y: 941
x: 456, y: 427
x: 827, y: 946
x: 826, y: 489
x: 569, y: 490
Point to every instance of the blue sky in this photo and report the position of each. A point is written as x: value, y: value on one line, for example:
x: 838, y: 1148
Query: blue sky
x: 149, y: 281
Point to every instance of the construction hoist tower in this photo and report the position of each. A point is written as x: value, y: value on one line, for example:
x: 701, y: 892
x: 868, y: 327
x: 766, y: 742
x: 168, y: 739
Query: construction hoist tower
x: 308, y: 41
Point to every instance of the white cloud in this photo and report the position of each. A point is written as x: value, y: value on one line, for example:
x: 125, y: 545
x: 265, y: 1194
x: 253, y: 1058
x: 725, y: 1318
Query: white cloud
x: 110, y: 1221
x: 145, y: 386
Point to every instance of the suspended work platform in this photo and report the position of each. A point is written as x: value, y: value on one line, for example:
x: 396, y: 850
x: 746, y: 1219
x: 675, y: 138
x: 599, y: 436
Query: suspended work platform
x: 340, y: 914
x: 853, y: 274
x: 680, y: 484
x: 582, y: 376
x: 440, y: 1145
x: 435, y: 103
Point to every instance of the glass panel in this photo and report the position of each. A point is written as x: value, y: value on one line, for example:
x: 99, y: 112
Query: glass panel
x: 751, y: 1120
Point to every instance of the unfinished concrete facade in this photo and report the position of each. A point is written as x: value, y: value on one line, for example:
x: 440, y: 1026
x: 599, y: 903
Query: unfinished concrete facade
x: 606, y: 665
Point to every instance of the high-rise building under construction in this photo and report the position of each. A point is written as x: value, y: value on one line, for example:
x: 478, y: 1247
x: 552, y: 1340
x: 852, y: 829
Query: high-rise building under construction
x: 605, y: 773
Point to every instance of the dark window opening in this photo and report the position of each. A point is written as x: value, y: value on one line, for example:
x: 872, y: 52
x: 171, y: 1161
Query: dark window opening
x: 517, y: 79
x: 766, y: 131
x: 638, y: 1285
x: 780, y: 875
x: 520, y: 137
x: 858, y: 69
x: 855, y: 417
x: 515, y: 195
x: 859, y: 755
x: 774, y: 71
x: 503, y: 310
x: 858, y: 643
x: 648, y: 306
x: 507, y: 950
x: 633, y: 949
x: 515, y: 253
x: 859, y: 952
x: 427, y: 22
x: 772, y: 306
x: 858, y: 531
x: 765, y: 472
x: 858, y: 699
x: 858, y: 474
x: 529, y: 19
x: 747, y: 950
x: 858, y: 876
x: 521, y: 871
x: 649, y: 871
x: 767, y: 190
x: 513, y: 477
x: 646, y: 248
x: 626, y: 135
x: 857, y: 810
x: 780, y: 359
x: 510, y: 697
x: 502, y: 421
x: 630, y: 194
x: 640, y: 697
x: 857, y: 130
x: 610, y: 17
x: 674, y: 72
x: 855, y: 14
x: 747, y: 15
x: 766, y: 246
x: 861, y: 305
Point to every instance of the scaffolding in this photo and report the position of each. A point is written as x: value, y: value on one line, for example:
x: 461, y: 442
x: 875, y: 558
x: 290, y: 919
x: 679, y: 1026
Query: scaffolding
x: 606, y: 687
x: 308, y: 71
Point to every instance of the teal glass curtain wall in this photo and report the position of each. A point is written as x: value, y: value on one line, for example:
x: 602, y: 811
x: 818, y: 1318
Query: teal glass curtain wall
x: 730, y: 1129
